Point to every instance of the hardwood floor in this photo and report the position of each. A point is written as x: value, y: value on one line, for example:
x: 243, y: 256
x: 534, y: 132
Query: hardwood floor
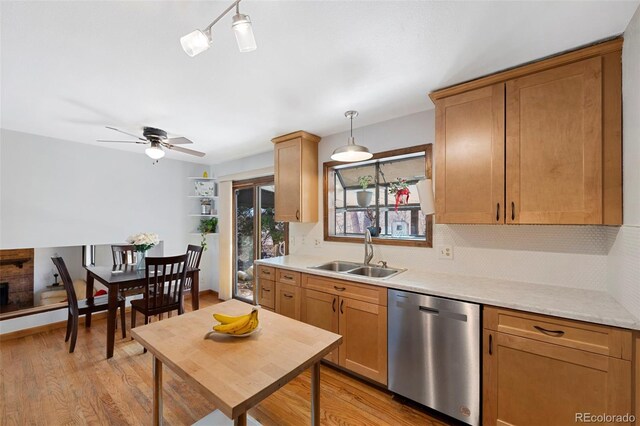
x: 42, y: 384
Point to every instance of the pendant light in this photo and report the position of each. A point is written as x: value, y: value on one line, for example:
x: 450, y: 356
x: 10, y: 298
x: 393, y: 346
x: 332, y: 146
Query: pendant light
x: 351, y: 152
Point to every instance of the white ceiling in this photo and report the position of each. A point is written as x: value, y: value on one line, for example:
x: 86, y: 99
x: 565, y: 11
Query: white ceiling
x: 70, y: 68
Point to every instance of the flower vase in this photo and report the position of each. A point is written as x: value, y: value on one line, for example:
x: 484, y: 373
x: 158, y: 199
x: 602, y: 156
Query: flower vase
x: 141, y: 257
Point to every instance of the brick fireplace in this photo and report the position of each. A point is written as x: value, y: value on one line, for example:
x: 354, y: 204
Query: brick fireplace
x: 16, y: 276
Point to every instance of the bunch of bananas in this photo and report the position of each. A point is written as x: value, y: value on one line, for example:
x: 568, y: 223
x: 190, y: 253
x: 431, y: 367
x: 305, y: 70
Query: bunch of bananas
x: 236, y: 325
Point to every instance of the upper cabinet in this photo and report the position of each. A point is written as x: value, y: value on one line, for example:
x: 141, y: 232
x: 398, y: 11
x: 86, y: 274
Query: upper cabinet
x: 296, y: 177
x: 540, y: 144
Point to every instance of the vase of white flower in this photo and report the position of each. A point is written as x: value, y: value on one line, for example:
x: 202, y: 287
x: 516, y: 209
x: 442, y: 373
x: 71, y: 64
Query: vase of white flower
x: 142, y: 243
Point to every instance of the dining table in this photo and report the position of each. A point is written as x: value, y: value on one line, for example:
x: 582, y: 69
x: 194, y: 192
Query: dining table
x: 124, y: 277
x: 235, y: 373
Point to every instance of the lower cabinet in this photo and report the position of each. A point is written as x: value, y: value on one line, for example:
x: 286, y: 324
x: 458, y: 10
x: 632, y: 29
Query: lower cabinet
x: 540, y: 370
x: 288, y: 300
x: 362, y: 324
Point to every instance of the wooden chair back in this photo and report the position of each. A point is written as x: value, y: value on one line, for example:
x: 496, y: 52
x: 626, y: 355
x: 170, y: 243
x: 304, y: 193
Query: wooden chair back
x: 194, y: 255
x: 165, y: 281
x: 122, y: 253
x: 68, y: 284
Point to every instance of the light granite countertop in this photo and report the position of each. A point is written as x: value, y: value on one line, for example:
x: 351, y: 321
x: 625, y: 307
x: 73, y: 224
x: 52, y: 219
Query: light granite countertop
x: 584, y: 305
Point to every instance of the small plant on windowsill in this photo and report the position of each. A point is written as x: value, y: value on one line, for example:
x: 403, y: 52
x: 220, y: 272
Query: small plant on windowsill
x: 400, y: 188
x: 364, y: 196
x: 207, y: 226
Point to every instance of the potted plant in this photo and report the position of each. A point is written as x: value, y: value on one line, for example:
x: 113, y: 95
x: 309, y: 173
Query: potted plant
x: 373, y: 229
x: 364, y: 196
x: 400, y: 188
x: 207, y: 226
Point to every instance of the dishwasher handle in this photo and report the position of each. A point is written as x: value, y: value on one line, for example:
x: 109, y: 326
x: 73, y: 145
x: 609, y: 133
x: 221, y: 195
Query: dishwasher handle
x: 443, y: 314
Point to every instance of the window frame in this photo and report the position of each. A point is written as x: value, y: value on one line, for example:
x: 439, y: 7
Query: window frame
x: 426, y: 242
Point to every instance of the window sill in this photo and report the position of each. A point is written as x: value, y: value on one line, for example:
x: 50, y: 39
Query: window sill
x: 382, y: 241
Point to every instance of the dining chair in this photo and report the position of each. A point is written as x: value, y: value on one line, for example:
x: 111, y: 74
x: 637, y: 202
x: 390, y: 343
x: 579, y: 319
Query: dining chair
x: 84, y: 306
x: 122, y: 253
x: 125, y: 254
x: 165, y: 278
x: 194, y: 255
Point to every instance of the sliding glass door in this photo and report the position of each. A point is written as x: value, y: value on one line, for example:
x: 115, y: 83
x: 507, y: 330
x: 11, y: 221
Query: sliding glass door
x: 257, y: 235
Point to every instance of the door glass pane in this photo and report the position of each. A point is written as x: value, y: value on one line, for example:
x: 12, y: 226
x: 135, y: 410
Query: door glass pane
x: 272, y: 233
x: 244, y: 219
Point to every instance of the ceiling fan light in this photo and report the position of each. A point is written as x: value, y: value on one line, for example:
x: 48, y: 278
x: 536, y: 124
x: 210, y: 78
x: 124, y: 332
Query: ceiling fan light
x: 196, y: 42
x: 243, y: 31
x: 155, y: 151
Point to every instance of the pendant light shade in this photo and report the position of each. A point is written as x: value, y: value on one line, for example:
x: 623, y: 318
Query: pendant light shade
x: 241, y: 25
x: 351, y: 152
x: 196, y: 42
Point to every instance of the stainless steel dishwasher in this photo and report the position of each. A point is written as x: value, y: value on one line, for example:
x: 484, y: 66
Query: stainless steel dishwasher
x: 434, y: 353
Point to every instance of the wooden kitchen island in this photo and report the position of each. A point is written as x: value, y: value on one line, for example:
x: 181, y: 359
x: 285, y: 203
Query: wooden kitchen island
x: 235, y: 373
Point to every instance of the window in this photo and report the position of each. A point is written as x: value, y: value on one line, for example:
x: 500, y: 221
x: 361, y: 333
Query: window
x: 350, y: 210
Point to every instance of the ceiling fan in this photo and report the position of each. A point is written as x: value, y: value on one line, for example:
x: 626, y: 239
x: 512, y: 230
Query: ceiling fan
x: 158, y: 139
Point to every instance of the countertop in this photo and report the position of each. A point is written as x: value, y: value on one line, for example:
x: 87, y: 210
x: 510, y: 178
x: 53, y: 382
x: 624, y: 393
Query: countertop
x: 583, y: 305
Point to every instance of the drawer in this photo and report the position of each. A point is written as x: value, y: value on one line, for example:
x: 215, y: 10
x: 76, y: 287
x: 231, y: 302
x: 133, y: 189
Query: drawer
x: 267, y: 293
x: 356, y: 291
x: 288, y: 277
x: 599, y: 339
x: 267, y: 272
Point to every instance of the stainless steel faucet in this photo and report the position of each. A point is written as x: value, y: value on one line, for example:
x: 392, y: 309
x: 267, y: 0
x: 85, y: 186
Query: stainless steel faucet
x: 368, y: 247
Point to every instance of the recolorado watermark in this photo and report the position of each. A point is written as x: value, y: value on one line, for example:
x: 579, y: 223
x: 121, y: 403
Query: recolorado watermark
x: 604, y: 418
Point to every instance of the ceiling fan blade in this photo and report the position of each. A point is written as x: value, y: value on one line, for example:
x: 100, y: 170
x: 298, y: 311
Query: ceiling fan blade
x: 184, y: 150
x: 110, y: 141
x: 178, y: 141
x: 126, y: 133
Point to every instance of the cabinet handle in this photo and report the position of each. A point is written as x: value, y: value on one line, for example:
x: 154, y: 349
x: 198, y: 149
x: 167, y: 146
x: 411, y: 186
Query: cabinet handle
x: 513, y: 211
x: 266, y: 273
x: 288, y: 296
x: 498, y: 212
x: 491, y: 344
x: 552, y: 333
x: 297, y: 214
x: 341, y: 304
x: 266, y: 289
x: 289, y: 277
x: 333, y: 304
x: 339, y: 288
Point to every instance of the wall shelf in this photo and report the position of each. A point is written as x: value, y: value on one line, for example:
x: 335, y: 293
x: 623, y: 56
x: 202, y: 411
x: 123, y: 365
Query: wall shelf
x: 201, y: 178
x: 204, y: 215
x: 213, y: 197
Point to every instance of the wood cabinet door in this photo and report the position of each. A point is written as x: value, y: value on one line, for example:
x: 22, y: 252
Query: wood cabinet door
x: 554, y: 145
x: 527, y: 382
x: 363, y: 327
x: 288, y: 300
x: 321, y: 310
x: 288, y: 180
x: 470, y: 157
x: 266, y: 293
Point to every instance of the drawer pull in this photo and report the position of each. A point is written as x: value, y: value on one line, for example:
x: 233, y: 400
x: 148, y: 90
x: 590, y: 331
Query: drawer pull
x: 339, y: 288
x: 552, y: 333
x: 288, y: 296
x: 266, y: 273
x: 288, y: 277
x: 266, y: 289
x: 341, y: 305
x: 490, y: 344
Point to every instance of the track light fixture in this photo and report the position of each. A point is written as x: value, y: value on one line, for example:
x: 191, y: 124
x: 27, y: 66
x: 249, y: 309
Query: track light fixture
x: 200, y: 40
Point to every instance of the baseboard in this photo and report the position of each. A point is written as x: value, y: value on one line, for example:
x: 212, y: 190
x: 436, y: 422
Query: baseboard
x: 63, y: 324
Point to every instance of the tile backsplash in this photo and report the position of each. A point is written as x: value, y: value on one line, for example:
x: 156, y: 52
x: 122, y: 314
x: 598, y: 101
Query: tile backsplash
x: 623, y: 269
x: 568, y: 256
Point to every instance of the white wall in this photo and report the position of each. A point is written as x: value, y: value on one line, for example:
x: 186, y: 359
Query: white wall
x: 56, y: 193
x: 624, y: 260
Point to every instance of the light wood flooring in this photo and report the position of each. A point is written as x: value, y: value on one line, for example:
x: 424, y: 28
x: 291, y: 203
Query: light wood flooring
x: 42, y: 384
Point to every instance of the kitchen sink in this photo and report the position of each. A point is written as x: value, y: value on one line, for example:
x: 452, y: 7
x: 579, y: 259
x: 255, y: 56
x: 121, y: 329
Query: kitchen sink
x: 358, y: 269
x: 337, y: 266
x: 374, y: 272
